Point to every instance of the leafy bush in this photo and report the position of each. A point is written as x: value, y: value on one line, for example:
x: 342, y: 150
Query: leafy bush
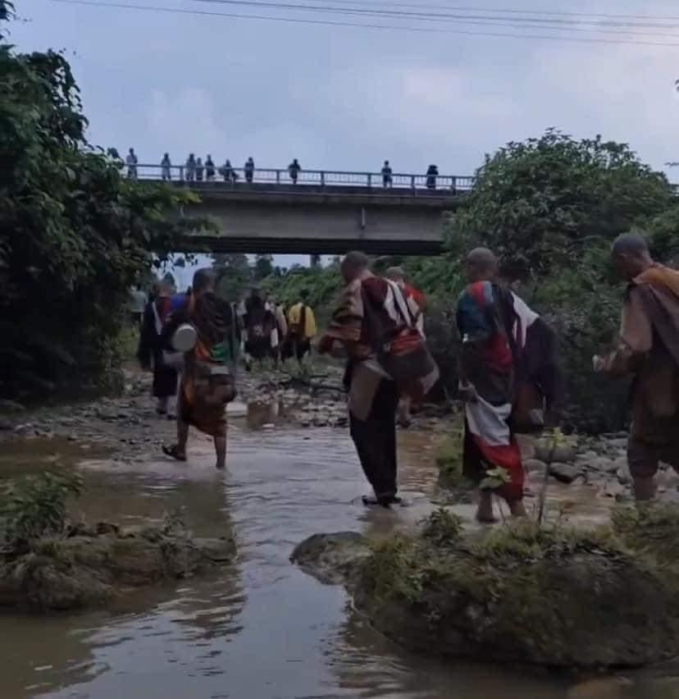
x: 35, y: 506
x: 442, y: 528
x: 74, y: 233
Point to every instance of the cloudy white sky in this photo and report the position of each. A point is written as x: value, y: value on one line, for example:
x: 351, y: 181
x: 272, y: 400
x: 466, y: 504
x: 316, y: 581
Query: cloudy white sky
x: 347, y: 98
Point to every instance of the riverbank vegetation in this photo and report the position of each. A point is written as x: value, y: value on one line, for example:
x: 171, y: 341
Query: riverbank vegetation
x: 51, y: 561
x: 75, y: 234
x: 549, y: 595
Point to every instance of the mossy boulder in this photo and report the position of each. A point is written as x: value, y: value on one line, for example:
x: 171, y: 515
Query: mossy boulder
x: 518, y: 593
x: 91, y: 566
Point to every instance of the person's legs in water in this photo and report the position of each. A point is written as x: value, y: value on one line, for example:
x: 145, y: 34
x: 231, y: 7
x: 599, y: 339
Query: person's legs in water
x: 375, y: 440
x: 220, y: 450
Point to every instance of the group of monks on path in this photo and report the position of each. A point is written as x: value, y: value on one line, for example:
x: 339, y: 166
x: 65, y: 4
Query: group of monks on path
x: 509, y: 377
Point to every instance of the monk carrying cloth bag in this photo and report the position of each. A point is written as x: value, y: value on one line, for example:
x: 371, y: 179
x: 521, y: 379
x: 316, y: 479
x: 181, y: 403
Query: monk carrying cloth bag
x: 404, y: 356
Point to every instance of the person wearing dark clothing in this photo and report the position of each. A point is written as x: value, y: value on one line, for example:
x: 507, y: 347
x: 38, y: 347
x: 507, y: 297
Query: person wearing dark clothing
x: 209, y: 169
x: 199, y: 170
x: 166, y: 168
x: 151, y: 351
x: 260, y: 324
x: 227, y: 172
x: 208, y: 379
x: 249, y: 170
x: 387, y: 177
x: 132, y: 161
x: 387, y: 358
x: 432, y: 174
x: 191, y: 168
x: 294, y: 169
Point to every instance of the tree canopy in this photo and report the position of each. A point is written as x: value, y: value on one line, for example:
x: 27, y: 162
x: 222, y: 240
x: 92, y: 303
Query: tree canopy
x: 539, y: 204
x: 74, y: 233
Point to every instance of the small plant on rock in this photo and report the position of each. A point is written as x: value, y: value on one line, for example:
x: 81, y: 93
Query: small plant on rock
x: 442, y: 528
x: 35, y: 506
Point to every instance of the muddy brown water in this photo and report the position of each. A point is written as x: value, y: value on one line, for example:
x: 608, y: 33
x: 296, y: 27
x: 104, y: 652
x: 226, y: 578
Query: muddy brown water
x: 260, y: 629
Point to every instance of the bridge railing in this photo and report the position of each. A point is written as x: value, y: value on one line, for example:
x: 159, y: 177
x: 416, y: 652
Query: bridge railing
x: 236, y: 177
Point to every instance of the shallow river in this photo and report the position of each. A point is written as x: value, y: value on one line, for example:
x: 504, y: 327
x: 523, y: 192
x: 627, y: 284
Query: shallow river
x: 261, y: 629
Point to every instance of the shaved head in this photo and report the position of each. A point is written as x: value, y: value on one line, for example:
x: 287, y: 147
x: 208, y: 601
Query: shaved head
x: 631, y: 254
x: 396, y: 274
x: 481, y: 265
x: 353, y: 264
x: 630, y: 244
x: 203, y: 280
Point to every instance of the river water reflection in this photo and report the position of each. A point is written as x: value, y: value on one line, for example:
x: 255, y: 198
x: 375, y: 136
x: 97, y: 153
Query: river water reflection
x: 260, y: 629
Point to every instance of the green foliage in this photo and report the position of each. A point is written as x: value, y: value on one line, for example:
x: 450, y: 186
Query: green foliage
x: 449, y: 458
x: 550, y: 208
x: 539, y: 204
x: 35, y: 506
x: 323, y: 285
x: 74, y: 233
x: 652, y: 528
x: 442, y: 528
x: 263, y: 266
x: 234, y: 275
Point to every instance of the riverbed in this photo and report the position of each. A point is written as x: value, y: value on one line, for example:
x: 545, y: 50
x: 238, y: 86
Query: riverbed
x: 260, y: 629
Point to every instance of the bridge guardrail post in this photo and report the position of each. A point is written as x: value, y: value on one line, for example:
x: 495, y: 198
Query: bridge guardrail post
x: 322, y: 178
x: 412, y: 182
x: 278, y: 176
x: 181, y: 173
x: 370, y: 180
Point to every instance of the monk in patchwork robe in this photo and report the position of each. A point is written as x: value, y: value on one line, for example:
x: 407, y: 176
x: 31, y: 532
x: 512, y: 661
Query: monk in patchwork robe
x: 648, y: 348
x: 387, y: 358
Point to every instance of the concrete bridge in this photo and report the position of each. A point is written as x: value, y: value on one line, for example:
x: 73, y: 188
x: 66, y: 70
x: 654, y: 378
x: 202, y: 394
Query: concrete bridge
x: 318, y: 212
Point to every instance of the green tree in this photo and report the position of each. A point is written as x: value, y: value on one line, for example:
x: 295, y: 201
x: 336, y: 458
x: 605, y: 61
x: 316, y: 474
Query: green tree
x: 233, y: 274
x: 74, y: 233
x: 540, y: 203
x: 263, y: 266
x: 550, y: 208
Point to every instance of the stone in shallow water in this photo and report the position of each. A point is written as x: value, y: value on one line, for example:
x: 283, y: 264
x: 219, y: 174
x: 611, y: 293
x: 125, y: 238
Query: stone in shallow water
x: 564, y: 473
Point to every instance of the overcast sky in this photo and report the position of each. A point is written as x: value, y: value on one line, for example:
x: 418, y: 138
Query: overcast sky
x: 347, y: 98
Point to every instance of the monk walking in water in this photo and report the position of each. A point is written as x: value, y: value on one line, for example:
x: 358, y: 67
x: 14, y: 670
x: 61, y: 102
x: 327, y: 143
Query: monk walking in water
x: 387, y: 357
x: 496, y: 329
x: 208, y: 379
x: 648, y: 348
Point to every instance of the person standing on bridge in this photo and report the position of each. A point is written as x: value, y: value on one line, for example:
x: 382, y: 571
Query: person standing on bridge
x: 227, y: 172
x: 387, y: 177
x: 132, y: 161
x: 387, y: 357
x: 432, y: 174
x: 249, y: 170
x: 199, y: 170
x: 209, y: 169
x: 191, y: 168
x: 166, y: 168
x: 294, y: 169
x: 209, y: 379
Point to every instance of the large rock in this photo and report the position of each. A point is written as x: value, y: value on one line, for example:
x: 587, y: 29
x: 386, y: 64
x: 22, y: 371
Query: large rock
x: 564, y: 473
x: 99, y: 563
x: 332, y: 558
x: 514, y: 594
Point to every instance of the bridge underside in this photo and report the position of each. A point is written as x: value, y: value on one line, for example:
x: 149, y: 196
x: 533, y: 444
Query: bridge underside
x: 304, y: 246
x: 331, y: 224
